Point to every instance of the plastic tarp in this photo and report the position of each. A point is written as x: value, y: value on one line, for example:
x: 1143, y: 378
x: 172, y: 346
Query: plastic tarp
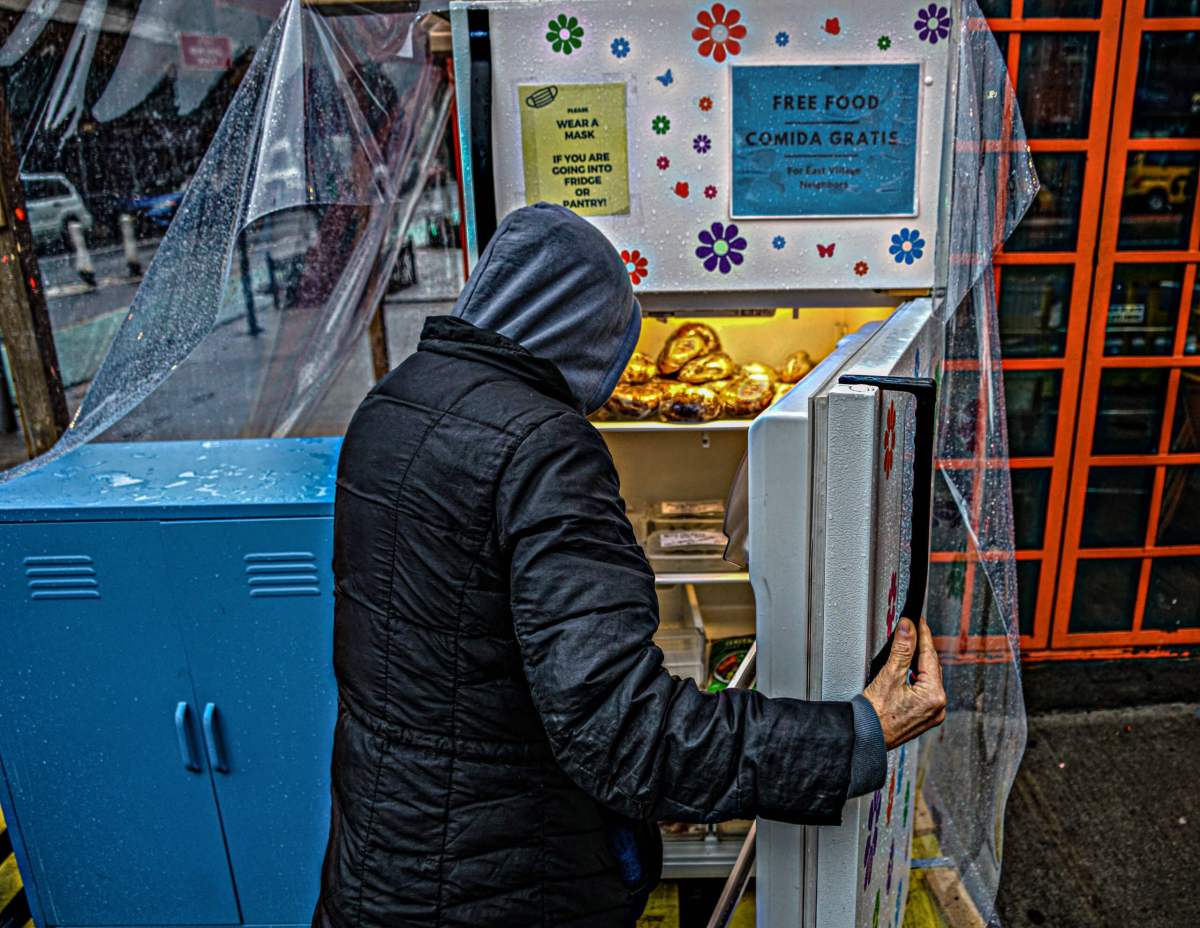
x: 969, y: 763
x: 304, y: 194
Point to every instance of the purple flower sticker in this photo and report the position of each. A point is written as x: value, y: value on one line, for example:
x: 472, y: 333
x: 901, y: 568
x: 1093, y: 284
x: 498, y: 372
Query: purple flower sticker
x: 933, y: 24
x: 702, y: 143
x: 721, y: 247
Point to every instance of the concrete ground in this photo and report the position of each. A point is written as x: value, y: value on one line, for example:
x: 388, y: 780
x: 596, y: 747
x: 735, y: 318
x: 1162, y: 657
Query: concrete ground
x: 1103, y: 824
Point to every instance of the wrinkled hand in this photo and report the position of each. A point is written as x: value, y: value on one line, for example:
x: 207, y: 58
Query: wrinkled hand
x: 907, y: 710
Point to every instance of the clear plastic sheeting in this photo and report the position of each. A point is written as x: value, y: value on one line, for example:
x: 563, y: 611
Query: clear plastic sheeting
x: 969, y: 763
x: 285, y: 242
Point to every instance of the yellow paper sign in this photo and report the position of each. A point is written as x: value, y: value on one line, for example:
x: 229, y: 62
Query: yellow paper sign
x: 573, y: 140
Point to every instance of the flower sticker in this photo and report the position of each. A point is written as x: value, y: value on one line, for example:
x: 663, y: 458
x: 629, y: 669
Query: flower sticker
x: 662, y: 162
x: 705, y: 104
x: 778, y: 242
x: 861, y: 268
x: 721, y: 247
x: 660, y: 124
x: 565, y: 34
x: 620, y: 47
x: 933, y: 24
x: 718, y: 32
x: 833, y: 25
x: 781, y: 38
x: 702, y: 144
x: 889, y: 454
x: 907, y: 246
x: 636, y: 264
x: 681, y: 189
x: 884, y: 42
x: 710, y: 192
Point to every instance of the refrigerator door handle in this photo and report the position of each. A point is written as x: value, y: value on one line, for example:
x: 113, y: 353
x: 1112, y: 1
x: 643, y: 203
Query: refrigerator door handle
x: 183, y: 735
x: 212, y: 740
x: 924, y: 391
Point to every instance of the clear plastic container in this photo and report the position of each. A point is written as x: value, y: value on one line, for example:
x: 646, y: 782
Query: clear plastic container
x: 683, y: 652
x: 681, y: 551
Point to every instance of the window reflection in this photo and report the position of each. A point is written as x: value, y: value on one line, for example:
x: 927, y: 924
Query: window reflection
x: 1166, y: 100
x: 1117, y: 507
x: 1173, y: 600
x: 1034, y: 303
x: 1028, y: 575
x: 1173, y: 7
x: 947, y: 581
x: 1105, y: 595
x: 996, y: 8
x: 1156, y: 207
x: 1143, y: 309
x: 1191, y: 344
x: 1031, y: 496
x: 1179, y: 515
x: 1052, y: 223
x: 1031, y: 401
x: 1054, y: 83
x: 1043, y: 8
x: 1185, y: 431
x: 1129, y: 411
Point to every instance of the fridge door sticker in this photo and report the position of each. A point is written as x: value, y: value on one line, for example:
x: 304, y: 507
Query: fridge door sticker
x: 575, y: 146
x: 825, y: 140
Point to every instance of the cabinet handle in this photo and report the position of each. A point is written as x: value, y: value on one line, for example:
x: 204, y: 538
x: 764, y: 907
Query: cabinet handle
x: 212, y: 740
x: 183, y: 735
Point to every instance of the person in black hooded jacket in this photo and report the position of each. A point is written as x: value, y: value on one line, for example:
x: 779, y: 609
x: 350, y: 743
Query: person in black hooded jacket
x: 507, y: 735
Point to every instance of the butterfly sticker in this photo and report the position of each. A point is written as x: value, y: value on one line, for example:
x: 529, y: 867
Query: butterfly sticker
x: 665, y: 78
x: 826, y: 251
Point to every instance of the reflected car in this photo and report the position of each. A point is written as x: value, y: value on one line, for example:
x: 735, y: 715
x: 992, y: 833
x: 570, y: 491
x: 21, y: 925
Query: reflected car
x: 1159, y: 182
x: 155, y: 211
x: 52, y: 202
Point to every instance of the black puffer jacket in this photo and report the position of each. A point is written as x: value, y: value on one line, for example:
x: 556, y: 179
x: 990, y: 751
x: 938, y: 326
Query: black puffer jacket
x: 503, y: 708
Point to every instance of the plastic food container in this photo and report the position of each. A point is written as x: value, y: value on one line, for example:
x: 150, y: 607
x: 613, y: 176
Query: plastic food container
x: 678, y: 551
x: 683, y: 652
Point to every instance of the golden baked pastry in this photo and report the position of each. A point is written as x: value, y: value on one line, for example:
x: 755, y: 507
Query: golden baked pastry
x: 781, y: 390
x: 758, y: 371
x: 640, y: 369
x: 795, y: 367
x: 633, y: 401
x: 747, y: 396
x: 687, y: 342
x: 685, y: 402
x: 715, y: 366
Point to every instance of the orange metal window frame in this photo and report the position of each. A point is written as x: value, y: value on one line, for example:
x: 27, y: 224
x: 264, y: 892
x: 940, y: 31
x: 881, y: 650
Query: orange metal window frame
x: 1136, y: 641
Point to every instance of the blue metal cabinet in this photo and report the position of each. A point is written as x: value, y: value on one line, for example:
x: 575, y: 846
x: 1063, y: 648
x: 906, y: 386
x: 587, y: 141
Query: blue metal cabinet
x: 93, y: 681
x: 256, y: 608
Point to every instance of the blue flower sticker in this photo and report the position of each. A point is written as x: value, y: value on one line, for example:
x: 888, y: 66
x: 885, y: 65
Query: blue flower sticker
x: 620, y: 47
x: 721, y: 247
x: 778, y: 242
x: 907, y: 246
x: 781, y: 38
x: 933, y: 24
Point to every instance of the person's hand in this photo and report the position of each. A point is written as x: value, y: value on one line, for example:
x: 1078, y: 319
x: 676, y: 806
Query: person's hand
x: 907, y: 710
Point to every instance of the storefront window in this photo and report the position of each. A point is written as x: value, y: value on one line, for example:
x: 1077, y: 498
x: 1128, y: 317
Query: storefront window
x: 1129, y: 411
x: 1054, y: 83
x: 1031, y: 400
x: 1047, y: 8
x: 1052, y: 223
x: 1165, y: 100
x: 947, y: 582
x: 1105, y: 594
x: 1117, y: 507
x: 1173, y: 600
x: 1185, y: 431
x: 999, y: 9
x: 948, y: 532
x: 1143, y: 309
x: 1034, y: 304
x: 1156, y: 206
x: 1031, y: 496
x: 1028, y: 575
x: 1179, y: 515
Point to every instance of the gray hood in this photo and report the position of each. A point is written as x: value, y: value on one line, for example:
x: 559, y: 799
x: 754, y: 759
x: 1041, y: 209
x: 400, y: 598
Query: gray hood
x: 551, y: 282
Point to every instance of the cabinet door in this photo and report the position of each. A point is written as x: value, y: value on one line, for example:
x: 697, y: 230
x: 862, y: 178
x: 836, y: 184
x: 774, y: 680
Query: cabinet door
x: 256, y: 603
x: 118, y: 830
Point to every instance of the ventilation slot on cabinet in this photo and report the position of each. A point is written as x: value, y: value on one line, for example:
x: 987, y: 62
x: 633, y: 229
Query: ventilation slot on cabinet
x: 282, y: 573
x: 66, y: 576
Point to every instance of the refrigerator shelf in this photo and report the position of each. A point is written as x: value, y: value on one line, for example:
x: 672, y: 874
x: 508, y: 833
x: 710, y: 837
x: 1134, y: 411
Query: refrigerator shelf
x: 653, y: 425
x: 699, y: 859
x: 716, y: 576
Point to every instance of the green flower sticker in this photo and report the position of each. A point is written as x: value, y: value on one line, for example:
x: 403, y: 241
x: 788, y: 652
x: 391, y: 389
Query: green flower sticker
x: 565, y: 34
x: 884, y: 43
x: 660, y: 124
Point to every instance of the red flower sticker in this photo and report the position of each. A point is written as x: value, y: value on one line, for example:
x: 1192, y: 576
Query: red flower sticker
x: 861, y: 268
x: 891, y: 616
x: 718, y: 32
x: 710, y: 192
x: 681, y: 189
x: 705, y: 104
x: 833, y: 26
x: 889, y: 441
x: 636, y: 264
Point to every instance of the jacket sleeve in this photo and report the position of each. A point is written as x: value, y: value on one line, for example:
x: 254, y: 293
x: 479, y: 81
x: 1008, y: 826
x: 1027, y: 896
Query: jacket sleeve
x: 641, y: 742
